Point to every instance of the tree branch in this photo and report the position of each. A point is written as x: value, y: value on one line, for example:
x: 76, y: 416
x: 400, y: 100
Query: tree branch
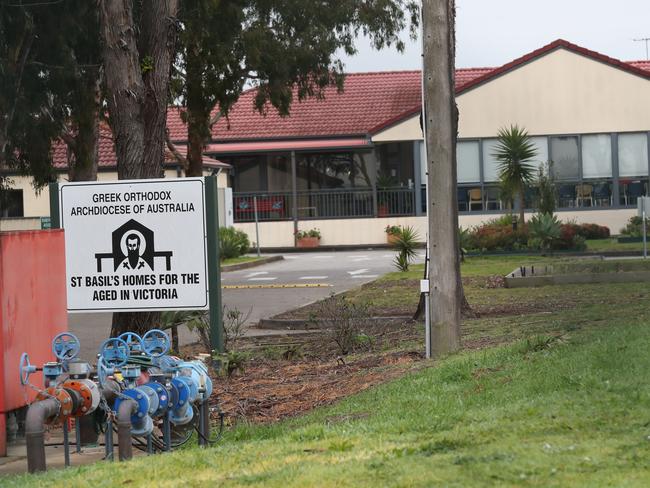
x: 174, y: 150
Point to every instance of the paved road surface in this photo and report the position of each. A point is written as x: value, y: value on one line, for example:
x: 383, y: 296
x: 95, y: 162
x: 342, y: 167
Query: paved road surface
x: 260, y: 289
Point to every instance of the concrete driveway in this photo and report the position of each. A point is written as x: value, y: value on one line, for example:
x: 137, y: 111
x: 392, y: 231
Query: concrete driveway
x: 312, y: 276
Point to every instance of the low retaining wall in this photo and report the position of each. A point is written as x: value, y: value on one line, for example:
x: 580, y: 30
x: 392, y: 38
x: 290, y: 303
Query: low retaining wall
x: 371, y: 231
x: 576, y: 278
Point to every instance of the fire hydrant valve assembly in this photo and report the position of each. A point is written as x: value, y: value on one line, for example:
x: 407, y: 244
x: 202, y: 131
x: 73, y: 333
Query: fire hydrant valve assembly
x: 135, y: 385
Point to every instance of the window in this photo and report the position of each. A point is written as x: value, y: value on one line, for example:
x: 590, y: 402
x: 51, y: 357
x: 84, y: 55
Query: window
x: 632, y: 155
x: 566, y: 160
x: 11, y: 203
x: 541, y: 147
x: 467, y: 160
x: 490, y: 163
x: 597, y: 156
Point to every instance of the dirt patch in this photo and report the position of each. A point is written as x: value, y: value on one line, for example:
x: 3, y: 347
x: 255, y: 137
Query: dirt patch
x: 272, y: 390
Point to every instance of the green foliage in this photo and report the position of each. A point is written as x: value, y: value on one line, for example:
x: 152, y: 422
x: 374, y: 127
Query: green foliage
x: 406, y: 245
x: 146, y: 65
x: 513, y: 153
x: 232, y: 242
x: 393, y: 230
x: 464, y: 241
x: 634, y: 227
x: 308, y: 233
x: 544, y: 231
x: 287, y: 50
x: 546, y: 190
x: 231, y: 362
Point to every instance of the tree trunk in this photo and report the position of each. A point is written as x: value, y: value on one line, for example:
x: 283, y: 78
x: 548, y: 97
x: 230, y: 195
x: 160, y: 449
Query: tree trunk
x: 198, y: 119
x: 157, y: 49
x: 137, y: 81
x: 85, y: 145
x: 124, y: 85
x: 441, y: 116
x: 522, y: 205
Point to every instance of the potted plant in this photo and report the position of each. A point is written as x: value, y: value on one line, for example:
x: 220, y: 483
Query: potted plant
x: 308, y: 238
x: 384, y: 183
x: 392, y: 233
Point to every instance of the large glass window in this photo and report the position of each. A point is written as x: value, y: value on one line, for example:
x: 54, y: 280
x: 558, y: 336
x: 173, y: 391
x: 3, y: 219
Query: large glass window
x: 541, y: 148
x: 566, y: 160
x: 597, y: 156
x: 467, y: 160
x: 632, y: 154
x: 11, y: 203
x: 490, y: 163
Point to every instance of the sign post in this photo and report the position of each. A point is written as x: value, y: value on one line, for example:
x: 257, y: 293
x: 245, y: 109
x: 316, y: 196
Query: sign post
x: 643, y: 205
x: 141, y: 245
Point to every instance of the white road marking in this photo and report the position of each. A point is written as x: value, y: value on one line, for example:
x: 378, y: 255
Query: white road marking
x: 291, y: 257
x: 387, y: 255
x: 358, y: 256
x: 358, y: 271
x: 365, y: 276
x: 256, y: 273
x: 266, y: 278
x: 313, y: 277
x: 323, y: 257
x: 361, y: 259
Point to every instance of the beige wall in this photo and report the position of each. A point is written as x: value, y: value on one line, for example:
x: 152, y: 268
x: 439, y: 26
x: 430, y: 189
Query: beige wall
x: 371, y: 231
x: 20, y: 223
x: 407, y: 130
x: 37, y: 204
x: 560, y: 93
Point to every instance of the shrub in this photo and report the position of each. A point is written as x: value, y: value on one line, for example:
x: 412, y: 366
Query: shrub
x: 405, y: 245
x: 492, y: 237
x: 308, y: 233
x: 232, y: 242
x: 344, y: 322
x: 393, y: 230
x: 545, y: 185
x: 544, y: 231
x: 594, y: 231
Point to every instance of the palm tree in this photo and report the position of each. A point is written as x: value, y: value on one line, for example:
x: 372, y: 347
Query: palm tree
x: 513, y: 152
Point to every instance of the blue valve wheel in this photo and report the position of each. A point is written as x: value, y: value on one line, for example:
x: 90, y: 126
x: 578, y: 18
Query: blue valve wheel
x: 133, y: 340
x: 156, y: 343
x: 26, y: 368
x: 103, y: 371
x: 65, y: 346
x: 114, y: 352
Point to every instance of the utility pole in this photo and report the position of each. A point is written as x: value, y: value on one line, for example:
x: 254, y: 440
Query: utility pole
x: 646, y: 40
x: 441, y: 127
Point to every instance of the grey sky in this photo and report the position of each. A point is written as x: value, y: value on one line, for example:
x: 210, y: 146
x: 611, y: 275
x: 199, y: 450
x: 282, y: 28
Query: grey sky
x: 494, y: 32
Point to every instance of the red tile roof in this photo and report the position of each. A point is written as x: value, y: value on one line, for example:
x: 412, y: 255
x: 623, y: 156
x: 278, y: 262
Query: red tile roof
x: 108, y: 159
x: 368, y: 100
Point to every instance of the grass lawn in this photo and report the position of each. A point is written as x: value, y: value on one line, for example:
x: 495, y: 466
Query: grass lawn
x: 239, y: 260
x: 561, y: 400
x: 612, y: 245
x: 565, y: 408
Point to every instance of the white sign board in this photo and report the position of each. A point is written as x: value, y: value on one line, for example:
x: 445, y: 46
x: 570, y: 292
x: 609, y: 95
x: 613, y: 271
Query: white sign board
x: 135, y: 245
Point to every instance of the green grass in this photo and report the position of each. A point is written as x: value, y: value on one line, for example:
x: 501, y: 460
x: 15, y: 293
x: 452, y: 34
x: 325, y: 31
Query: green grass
x: 239, y: 260
x: 601, y: 266
x: 612, y: 245
x: 562, y: 409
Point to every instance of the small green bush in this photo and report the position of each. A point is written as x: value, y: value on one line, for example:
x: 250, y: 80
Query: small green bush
x: 308, y: 233
x: 544, y: 231
x: 633, y: 227
x: 232, y: 242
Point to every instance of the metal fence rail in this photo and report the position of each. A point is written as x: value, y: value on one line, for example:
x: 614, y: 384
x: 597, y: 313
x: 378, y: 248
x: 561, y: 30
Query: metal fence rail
x: 324, y: 204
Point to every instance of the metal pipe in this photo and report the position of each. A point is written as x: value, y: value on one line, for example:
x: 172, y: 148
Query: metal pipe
x: 37, y: 414
x: 127, y: 408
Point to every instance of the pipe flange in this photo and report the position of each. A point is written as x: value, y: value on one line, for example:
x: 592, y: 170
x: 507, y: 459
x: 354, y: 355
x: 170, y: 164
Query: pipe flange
x: 85, y: 393
x: 64, y: 399
x: 140, y: 398
x: 163, y: 397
